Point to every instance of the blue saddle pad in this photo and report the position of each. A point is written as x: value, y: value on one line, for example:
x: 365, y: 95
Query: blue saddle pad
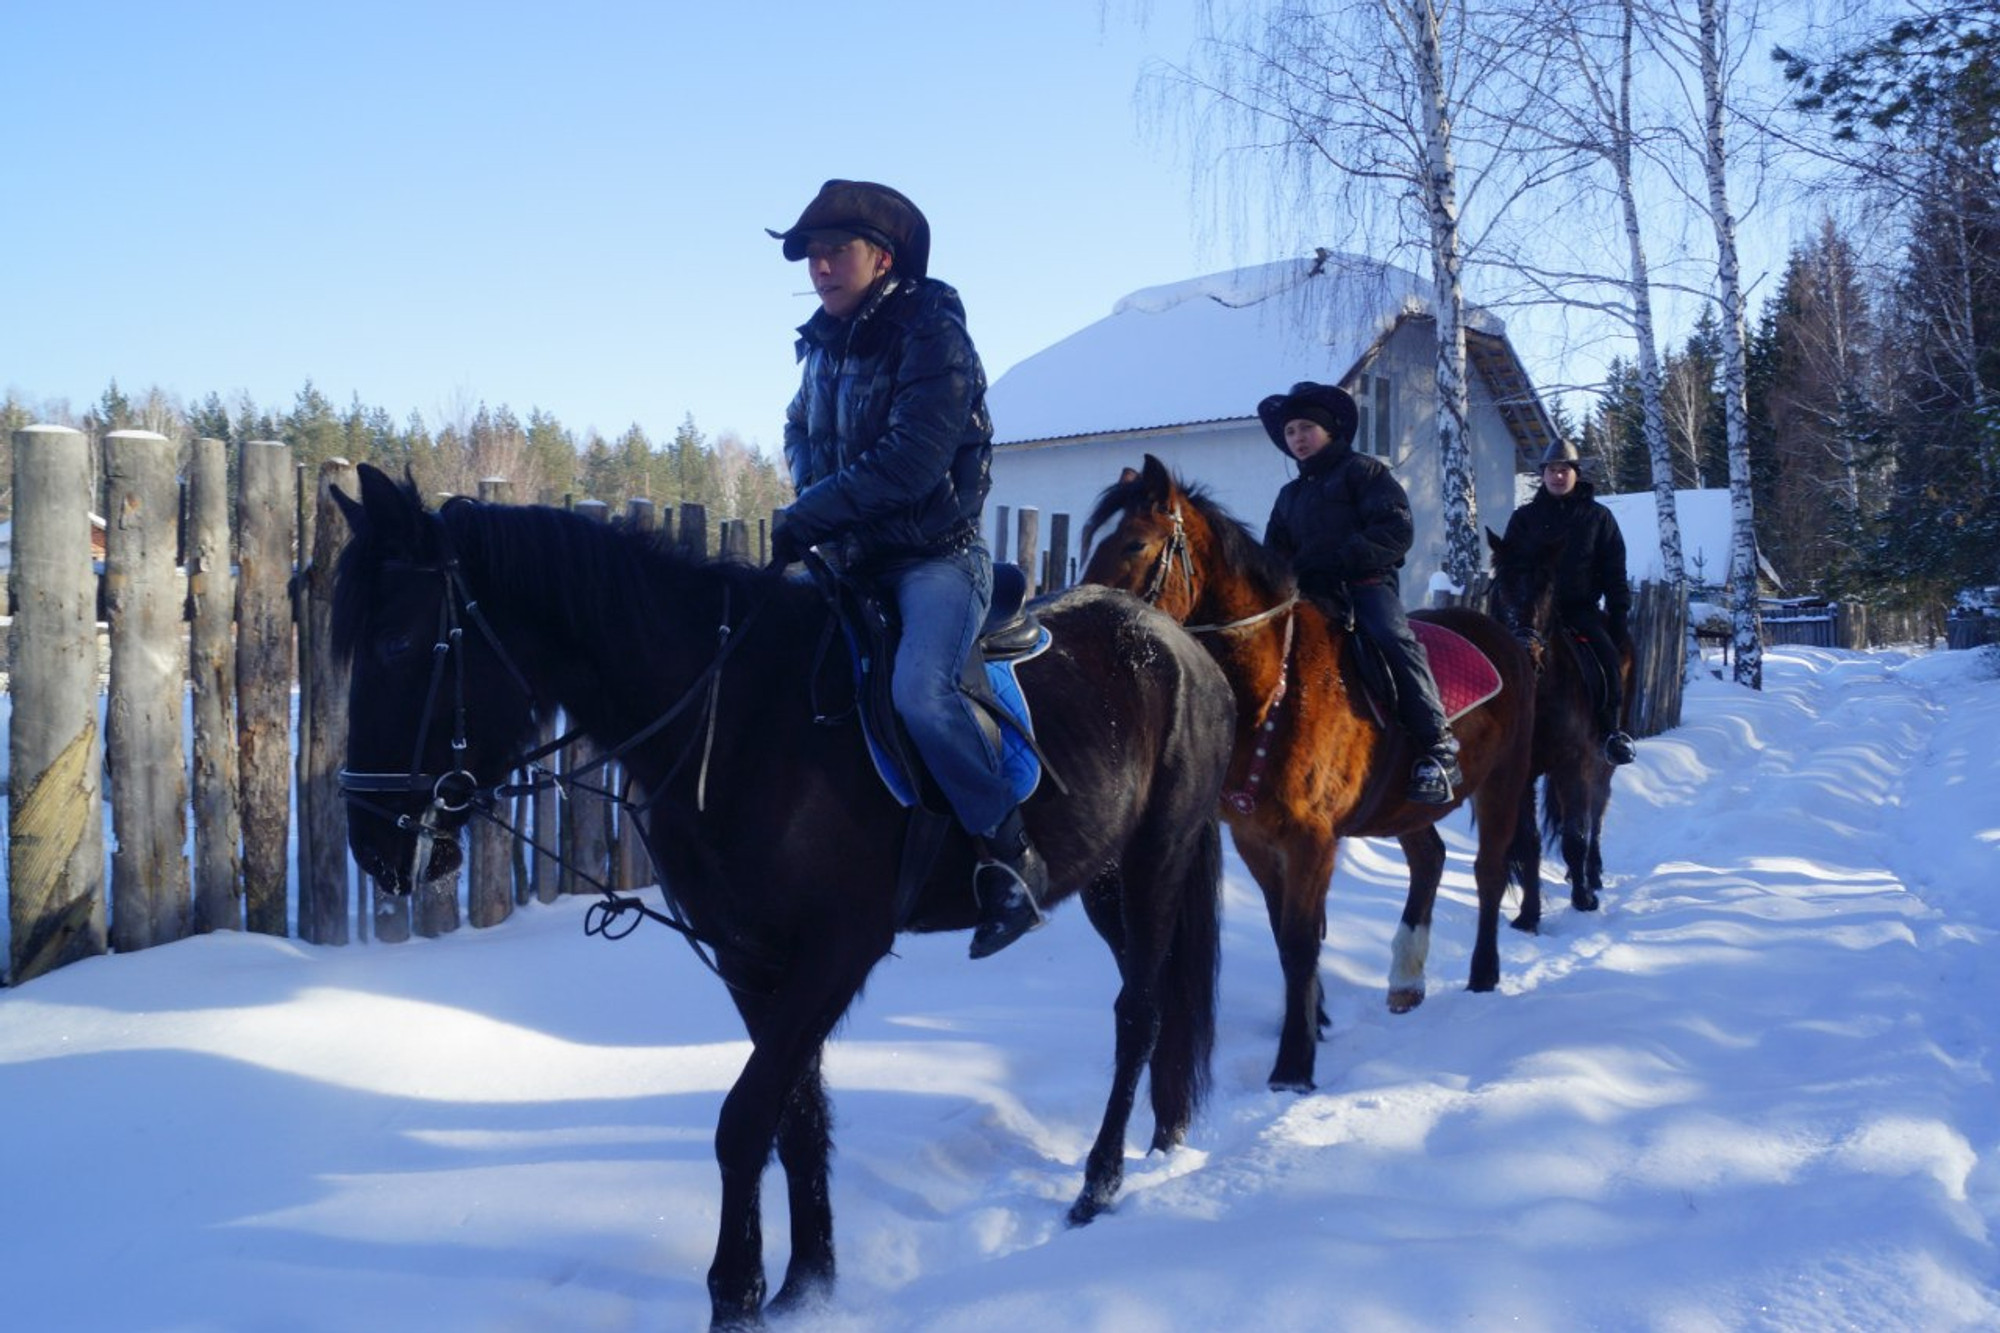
x: 1017, y: 757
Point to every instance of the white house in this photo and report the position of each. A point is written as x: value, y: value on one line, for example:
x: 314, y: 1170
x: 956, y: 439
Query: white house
x: 1177, y: 371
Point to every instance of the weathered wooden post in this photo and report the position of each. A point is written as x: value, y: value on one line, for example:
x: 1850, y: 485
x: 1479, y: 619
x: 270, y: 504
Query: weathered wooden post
x: 325, y: 879
x: 1058, y: 553
x: 264, y: 523
x: 586, y: 838
x: 693, y: 529
x: 1028, y: 547
x: 55, y: 822
x: 735, y: 540
x: 218, y: 873
x: 489, y: 865
x: 500, y: 491
x: 145, y: 763
x: 629, y: 863
x: 1002, y: 530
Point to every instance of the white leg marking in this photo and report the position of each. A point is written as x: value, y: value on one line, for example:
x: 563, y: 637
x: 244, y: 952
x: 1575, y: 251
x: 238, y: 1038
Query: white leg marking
x: 1407, y: 953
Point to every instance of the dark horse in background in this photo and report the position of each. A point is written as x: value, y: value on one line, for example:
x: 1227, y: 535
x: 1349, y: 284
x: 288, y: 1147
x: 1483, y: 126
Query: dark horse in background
x: 772, y: 834
x: 1310, y: 757
x: 1569, y: 752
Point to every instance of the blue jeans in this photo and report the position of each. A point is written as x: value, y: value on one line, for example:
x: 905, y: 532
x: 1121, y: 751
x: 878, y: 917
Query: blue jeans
x: 942, y: 602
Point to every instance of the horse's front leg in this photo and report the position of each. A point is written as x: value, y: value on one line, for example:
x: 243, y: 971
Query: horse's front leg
x: 780, y: 1090
x: 1294, y: 878
x: 805, y: 1143
x: 1423, y: 852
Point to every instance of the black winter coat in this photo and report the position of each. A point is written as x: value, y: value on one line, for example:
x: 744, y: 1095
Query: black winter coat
x: 1592, y: 563
x: 888, y: 440
x: 1343, y: 519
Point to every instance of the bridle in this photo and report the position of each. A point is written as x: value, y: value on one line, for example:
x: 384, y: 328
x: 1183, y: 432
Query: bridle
x: 1176, y: 553
x: 458, y: 792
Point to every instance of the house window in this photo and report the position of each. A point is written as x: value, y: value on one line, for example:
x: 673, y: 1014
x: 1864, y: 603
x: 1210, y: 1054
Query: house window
x: 1375, y: 398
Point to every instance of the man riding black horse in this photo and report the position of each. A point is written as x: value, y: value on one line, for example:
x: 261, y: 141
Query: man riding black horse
x: 890, y: 448
x: 1590, y: 568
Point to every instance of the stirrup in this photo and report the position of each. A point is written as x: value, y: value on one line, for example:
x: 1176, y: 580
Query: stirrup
x: 1619, y: 749
x: 1430, y: 783
x: 1006, y: 906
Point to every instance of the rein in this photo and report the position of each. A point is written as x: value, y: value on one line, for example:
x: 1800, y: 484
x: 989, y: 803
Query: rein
x: 458, y: 792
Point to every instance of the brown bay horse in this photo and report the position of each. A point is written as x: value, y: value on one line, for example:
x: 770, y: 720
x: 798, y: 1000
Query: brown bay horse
x: 1312, y: 764
x: 1568, y: 752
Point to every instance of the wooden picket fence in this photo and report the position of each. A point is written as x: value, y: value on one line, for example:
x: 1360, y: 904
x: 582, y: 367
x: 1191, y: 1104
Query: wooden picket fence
x: 213, y: 642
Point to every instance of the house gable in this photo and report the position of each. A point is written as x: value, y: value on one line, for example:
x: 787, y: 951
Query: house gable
x: 1177, y: 372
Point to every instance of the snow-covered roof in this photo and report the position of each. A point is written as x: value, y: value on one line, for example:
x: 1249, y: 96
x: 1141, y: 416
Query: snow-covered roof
x: 1705, y: 524
x: 1209, y: 348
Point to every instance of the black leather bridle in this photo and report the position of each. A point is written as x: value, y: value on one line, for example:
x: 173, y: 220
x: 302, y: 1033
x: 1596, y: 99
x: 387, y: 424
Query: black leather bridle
x: 457, y: 793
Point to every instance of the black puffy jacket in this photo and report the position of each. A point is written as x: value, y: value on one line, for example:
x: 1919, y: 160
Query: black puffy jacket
x: 1344, y: 518
x: 889, y: 442
x: 1592, y: 563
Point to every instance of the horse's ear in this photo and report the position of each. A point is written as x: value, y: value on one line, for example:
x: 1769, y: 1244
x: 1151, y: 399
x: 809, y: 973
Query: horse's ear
x: 1158, y: 481
x: 1495, y: 542
x: 352, y: 510
x: 1127, y: 477
x: 386, y: 510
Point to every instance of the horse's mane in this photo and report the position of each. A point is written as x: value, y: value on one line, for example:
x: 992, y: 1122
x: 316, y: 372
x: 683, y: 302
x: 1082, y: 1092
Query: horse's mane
x: 596, y: 573
x: 1235, y: 546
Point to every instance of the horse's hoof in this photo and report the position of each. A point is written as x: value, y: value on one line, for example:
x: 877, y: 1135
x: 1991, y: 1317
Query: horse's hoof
x: 1527, y: 926
x: 1407, y: 998
x: 1086, y: 1208
x: 1586, y: 901
x: 801, y: 1294
x: 1293, y: 1084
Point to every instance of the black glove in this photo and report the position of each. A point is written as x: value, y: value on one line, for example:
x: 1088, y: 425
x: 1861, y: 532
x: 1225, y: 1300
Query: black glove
x: 1619, y: 635
x: 787, y: 548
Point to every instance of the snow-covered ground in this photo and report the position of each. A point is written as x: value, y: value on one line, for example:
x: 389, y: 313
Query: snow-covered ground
x: 1757, y: 1092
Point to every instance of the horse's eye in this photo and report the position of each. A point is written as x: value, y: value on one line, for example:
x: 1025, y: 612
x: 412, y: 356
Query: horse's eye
x: 1137, y: 546
x: 392, y: 648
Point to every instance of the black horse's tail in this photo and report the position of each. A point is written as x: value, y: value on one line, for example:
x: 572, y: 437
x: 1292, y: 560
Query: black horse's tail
x: 1552, y: 814
x: 1181, y: 1064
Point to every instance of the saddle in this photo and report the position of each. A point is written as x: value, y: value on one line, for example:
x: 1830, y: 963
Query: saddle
x: 1589, y: 668
x: 1012, y: 634
x: 1466, y: 677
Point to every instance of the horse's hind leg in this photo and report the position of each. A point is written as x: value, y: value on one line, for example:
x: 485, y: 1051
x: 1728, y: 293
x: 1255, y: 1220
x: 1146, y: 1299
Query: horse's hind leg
x: 1178, y: 1074
x: 1423, y: 852
x: 1137, y: 1012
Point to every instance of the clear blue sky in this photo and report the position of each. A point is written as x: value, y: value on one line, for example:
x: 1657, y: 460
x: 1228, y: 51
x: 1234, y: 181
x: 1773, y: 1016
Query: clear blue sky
x: 555, y: 206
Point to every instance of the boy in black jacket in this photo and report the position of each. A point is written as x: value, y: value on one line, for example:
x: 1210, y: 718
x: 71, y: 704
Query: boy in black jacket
x: 1344, y: 523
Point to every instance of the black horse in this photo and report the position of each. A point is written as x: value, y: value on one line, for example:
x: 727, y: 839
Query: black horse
x: 770, y: 831
x: 1568, y: 753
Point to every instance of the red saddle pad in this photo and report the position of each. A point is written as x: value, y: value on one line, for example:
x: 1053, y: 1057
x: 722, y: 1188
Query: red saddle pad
x: 1466, y: 677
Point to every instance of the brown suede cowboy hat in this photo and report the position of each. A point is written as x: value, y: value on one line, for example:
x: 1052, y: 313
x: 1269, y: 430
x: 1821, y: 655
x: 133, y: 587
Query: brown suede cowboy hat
x: 877, y: 214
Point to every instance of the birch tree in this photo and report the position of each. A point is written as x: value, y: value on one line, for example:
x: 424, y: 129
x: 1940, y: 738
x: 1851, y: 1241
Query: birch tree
x: 1589, y: 109
x: 1748, y: 636
x: 1362, y: 107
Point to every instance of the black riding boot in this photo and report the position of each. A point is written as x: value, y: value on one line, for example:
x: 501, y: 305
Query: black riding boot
x: 1009, y: 883
x: 1618, y: 746
x: 1435, y: 778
